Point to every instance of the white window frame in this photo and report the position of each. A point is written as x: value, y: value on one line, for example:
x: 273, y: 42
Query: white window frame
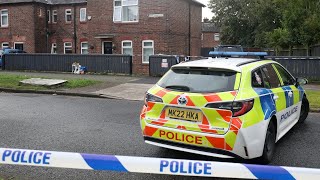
x: 126, y: 47
x: 83, y: 19
x: 53, y: 46
x: 49, y: 16
x: 2, y: 15
x: 68, y: 12
x: 54, y: 14
x: 15, y: 43
x: 121, y: 11
x: 82, y: 48
x: 216, y: 37
x: 64, y: 47
x: 143, y: 47
x: 5, y: 46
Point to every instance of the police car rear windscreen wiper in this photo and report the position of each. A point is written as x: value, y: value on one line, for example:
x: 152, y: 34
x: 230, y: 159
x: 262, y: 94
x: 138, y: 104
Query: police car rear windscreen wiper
x: 178, y: 88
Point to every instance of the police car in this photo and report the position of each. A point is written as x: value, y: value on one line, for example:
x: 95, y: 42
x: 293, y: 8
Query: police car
x: 224, y: 107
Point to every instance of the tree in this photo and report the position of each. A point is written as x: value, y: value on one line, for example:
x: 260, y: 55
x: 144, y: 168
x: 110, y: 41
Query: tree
x: 277, y: 23
x: 301, y: 19
x: 278, y: 38
x: 245, y: 22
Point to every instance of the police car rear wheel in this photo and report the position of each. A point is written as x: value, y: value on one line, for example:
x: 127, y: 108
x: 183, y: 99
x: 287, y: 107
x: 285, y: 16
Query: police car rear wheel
x: 304, y: 110
x: 269, y: 145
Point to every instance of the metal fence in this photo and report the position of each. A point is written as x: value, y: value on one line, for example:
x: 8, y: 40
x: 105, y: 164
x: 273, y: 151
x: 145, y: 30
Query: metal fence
x: 118, y: 64
x: 300, y: 66
x: 159, y: 65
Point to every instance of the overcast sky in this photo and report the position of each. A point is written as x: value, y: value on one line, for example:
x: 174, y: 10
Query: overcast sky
x: 206, y: 12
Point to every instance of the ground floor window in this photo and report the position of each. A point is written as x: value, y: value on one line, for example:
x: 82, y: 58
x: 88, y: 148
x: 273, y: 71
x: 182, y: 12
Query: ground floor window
x: 54, y: 48
x: 147, y: 50
x: 5, y: 45
x: 84, y: 48
x: 67, y: 48
x: 18, y: 45
x: 127, y: 48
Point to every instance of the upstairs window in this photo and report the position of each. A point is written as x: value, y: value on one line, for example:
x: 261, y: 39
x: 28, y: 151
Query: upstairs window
x: 83, y: 14
x: 68, y: 16
x: 4, y: 18
x: 54, y: 16
x: 125, y: 11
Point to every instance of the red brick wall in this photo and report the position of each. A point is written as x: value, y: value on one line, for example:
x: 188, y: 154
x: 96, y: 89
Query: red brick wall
x: 40, y: 28
x: 196, y: 14
x: 62, y: 31
x: 170, y: 33
x: 21, y: 26
x: 208, y: 40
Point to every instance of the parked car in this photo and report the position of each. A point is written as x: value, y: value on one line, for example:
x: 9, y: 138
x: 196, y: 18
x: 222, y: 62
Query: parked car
x: 229, y: 48
x: 224, y: 107
x: 9, y: 51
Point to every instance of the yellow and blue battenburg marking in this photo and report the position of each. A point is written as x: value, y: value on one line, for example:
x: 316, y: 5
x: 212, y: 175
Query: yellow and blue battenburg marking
x: 289, y: 98
x: 267, y: 102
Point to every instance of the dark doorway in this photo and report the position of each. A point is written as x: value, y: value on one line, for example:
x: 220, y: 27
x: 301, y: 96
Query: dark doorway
x: 107, y: 48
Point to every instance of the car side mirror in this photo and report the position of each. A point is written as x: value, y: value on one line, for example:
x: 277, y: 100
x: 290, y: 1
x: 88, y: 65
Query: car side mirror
x: 301, y: 81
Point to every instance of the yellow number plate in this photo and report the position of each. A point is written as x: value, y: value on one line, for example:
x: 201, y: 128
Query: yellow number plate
x: 184, y: 114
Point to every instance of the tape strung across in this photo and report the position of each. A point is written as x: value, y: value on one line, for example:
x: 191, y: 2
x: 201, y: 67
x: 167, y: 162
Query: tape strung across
x: 152, y: 165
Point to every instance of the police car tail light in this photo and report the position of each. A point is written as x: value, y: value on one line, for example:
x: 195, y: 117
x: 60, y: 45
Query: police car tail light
x: 151, y: 98
x: 241, y: 107
x: 238, y: 108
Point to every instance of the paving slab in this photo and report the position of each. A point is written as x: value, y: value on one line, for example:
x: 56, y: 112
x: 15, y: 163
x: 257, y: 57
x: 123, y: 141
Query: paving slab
x: 129, y: 91
x: 43, y: 82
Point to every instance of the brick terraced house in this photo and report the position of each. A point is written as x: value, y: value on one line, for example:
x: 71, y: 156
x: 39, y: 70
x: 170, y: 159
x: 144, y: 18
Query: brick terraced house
x: 210, y: 35
x: 136, y: 27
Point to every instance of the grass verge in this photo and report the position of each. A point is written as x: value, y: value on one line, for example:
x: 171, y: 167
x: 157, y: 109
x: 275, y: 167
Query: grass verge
x: 12, y: 82
x: 314, y: 99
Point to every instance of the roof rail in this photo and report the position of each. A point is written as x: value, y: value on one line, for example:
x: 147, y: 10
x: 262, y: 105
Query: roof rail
x: 237, y: 54
x: 248, y: 62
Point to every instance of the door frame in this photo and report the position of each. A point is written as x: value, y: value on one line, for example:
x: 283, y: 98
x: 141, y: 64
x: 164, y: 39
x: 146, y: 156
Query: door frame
x: 102, y: 46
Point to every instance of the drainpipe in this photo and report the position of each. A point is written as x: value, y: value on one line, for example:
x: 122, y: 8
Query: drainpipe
x: 75, y: 28
x: 47, y: 27
x: 189, y: 29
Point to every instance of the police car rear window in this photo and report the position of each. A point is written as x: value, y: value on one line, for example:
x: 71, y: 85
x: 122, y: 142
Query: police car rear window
x: 198, y: 80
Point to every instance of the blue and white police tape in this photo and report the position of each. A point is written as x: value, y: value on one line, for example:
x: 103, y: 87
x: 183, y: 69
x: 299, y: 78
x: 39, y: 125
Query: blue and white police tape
x: 152, y: 165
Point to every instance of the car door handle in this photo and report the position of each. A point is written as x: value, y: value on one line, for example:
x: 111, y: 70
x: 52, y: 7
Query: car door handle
x: 275, y: 97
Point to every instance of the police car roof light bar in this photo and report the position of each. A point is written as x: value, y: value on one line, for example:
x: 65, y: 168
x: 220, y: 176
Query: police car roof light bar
x: 236, y: 54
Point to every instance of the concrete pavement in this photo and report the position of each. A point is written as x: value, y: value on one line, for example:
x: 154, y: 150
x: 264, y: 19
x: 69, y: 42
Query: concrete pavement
x: 116, y: 87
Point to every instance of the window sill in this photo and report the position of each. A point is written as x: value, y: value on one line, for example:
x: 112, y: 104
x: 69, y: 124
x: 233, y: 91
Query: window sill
x: 4, y: 27
x: 83, y: 22
x: 125, y: 22
x: 68, y: 22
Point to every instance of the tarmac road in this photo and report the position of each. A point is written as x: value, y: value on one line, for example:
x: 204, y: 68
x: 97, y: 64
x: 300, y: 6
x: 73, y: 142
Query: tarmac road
x: 103, y: 126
